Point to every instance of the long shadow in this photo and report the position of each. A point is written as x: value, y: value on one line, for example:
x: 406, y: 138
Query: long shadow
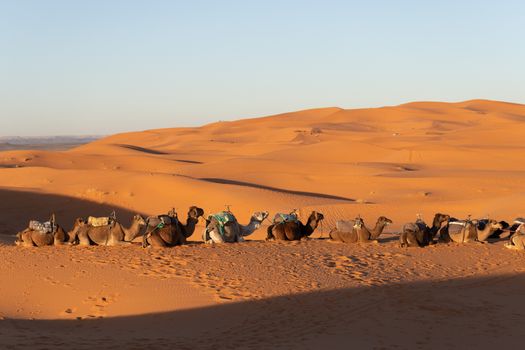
x: 141, y: 149
x: 473, y: 313
x: 275, y: 189
x: 18, y: 207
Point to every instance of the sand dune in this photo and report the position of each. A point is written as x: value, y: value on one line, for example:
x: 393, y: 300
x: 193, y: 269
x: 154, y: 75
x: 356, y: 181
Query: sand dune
x: 459, y: 158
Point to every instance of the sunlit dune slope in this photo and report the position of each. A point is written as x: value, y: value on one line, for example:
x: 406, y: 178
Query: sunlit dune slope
x: 461, y: 158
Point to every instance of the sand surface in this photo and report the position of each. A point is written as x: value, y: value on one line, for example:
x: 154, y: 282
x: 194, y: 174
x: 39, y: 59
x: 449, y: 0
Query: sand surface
x: 458, y: 158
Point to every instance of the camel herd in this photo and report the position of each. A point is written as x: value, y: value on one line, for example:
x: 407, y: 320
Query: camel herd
x: 167, y: 230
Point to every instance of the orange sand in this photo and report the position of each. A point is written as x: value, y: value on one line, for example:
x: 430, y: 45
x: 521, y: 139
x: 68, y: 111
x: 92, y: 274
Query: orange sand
x: 458, y: 158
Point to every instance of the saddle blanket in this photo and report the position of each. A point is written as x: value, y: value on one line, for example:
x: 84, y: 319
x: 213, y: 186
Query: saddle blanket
x: 43, y: 227
x: 98, y: 222
x: 280, y: 218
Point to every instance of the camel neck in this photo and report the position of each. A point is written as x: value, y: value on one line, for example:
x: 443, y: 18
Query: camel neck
x: 189, y: 228
x: 310, y: 226
x: 132, y: 231
x: 377, y: 230
x: 253, y: 225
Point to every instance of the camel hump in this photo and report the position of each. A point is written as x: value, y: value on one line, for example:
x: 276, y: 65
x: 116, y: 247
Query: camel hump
x: 222, y: 219
x: 280, y: 218
x: 411, y: 227
x: 344, y: 225
x: 42, y: 227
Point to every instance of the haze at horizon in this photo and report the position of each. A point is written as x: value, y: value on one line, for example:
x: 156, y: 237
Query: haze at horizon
x: 101, y: 67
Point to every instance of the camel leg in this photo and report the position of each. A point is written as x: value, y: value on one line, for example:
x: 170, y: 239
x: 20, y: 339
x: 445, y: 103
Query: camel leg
x: 411, y: 240
x: 155, y: 241
x: 83, y: 239
x: 403, y: 240
x: 269, y: 233
x: 27, y: 240
x: 289, y: 234
x: 118, y: 243
x: 519, y: 242
x: 516, y: 243
x: 216, y: 237
x: 24, y: 239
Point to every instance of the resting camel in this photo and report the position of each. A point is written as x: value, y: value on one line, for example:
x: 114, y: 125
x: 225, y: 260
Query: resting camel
x: 294, y: 230
x: 461, y: 231
x: 517, y: 240
x: 233, y: 231
x: 486, y: 229
x: 353, y: 231
x: 418, y: 234
x: 110, y: 235
x: 31, y: 238
x: 172, y: 232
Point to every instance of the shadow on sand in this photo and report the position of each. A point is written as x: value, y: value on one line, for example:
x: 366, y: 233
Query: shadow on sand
x: 475, y: 313
x: 18, y: 207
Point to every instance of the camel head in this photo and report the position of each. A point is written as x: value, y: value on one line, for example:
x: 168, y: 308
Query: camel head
x: 505, y: 225
x: 139, y: 220
x: 441, y: 220
x: 496, y: 225
x: 260, y: 215
x: 195, y: 212
x: 316, y: 216
x: 358, y: 222
x: 384, y: 221
x: 79, y: 222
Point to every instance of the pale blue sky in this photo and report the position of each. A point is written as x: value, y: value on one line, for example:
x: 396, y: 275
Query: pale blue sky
x: 99, y: 67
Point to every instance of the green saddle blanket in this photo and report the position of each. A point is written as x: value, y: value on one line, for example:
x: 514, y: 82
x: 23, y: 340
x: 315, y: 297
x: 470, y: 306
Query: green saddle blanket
x: 222, y: 218
x: 281, y: 218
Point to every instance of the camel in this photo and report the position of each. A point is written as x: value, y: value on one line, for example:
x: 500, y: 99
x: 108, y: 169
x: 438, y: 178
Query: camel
x: 461, y: 231
x: 31, y: 238
x: 231, y: 231
x: 517, y: 240
x: 294, y: 230
x: 110, y: 235
x: 418, y: 234
x: 510, y: 228
x: 486, y: 228
x: 169, y: 231
x: 353, y: 231
x: 504, y: 232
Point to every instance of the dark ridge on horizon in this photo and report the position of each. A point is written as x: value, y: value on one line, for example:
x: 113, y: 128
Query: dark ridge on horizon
x: 275, y: 189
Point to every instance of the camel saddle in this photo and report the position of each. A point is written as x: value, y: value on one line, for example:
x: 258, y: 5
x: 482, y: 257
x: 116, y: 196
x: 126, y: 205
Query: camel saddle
x: 102, y: 221
x: 457, y: 226
x: 43, y: 227
x: 345, y: 226
x: 168, y: 219
x: 221, y: 219
x: 281, y: 218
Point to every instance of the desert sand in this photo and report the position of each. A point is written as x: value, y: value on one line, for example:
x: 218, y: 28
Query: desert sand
x: 419, y: 158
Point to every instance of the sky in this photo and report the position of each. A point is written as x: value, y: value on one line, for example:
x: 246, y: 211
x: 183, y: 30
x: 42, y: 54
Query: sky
x: 101, y: 67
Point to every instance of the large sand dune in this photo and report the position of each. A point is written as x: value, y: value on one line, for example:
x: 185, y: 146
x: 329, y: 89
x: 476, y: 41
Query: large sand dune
x: 460, y: 158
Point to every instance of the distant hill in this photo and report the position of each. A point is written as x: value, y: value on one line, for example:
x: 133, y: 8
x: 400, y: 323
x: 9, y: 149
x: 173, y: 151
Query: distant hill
x: 10, y: 143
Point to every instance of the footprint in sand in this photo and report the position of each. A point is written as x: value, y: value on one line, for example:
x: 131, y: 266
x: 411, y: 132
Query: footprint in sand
x: 69, y: 312
x: 99, y: 305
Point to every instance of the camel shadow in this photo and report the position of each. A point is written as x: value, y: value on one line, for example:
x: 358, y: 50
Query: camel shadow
x: 18, y: 207
x: 480, y: 313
